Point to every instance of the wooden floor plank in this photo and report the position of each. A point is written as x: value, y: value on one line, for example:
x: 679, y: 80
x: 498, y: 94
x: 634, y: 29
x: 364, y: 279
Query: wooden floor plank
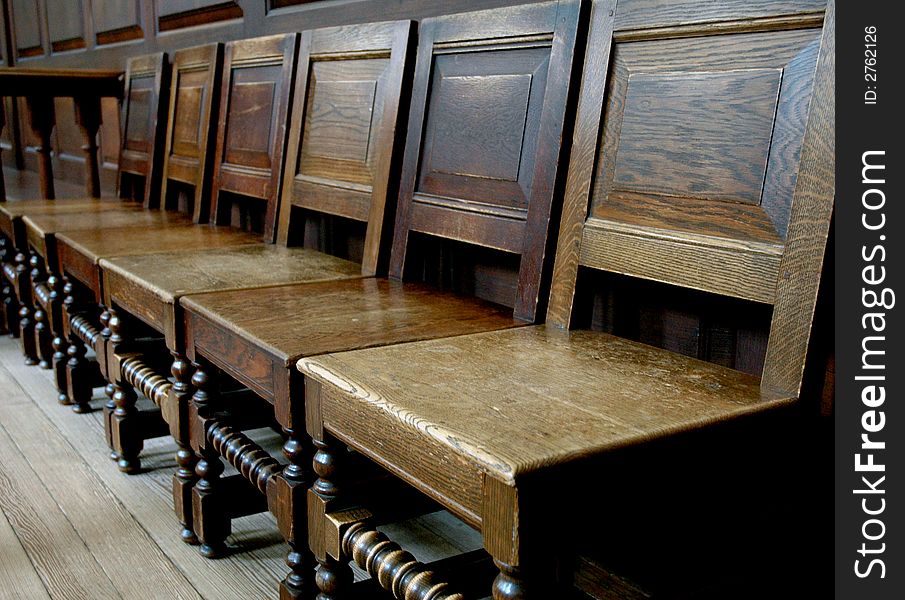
x: 97, y: 516
x: 141, y: 527
x: 18, y: 578
x: 252, y: 572
x: 59, y: 555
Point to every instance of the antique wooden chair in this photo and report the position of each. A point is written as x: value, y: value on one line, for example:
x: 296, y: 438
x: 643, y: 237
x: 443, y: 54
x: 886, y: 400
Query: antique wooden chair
x: 703, y: 157
x: 483, y: 144
x: 342, y: 146
x: 147, y: 81
x: 186, y: 186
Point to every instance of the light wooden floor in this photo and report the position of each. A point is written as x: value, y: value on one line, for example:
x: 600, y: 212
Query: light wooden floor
x: 72, y: 526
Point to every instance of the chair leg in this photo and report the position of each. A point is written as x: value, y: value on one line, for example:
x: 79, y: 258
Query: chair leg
x: 43, y: 338
x: 26, y: 324
x: 334, y: 577
x: 125, y: 422
x: 509, y: 584
x: 210, y: 517
x: 60, y: 362
x: 290, y: 491
x: 10, y: 309
x: 184, y: 478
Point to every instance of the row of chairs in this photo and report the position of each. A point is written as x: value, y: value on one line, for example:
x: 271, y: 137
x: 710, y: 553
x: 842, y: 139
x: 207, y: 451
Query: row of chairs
x: 692, y: 148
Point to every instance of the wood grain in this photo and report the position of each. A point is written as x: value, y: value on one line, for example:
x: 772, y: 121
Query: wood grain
x: 812, y: 208
x: 344, y: 147
x: 61, y: 556
x: 495, y: 179
x: 313, y: 318
x: 618, y: 393
x: 95, y: 514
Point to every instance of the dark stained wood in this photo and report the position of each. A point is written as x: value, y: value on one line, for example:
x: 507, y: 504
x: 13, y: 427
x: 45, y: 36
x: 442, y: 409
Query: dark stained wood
x: 116, y: 20
x: 812, y: 208
x: 194, y: 103
x: 251, y: 134
x: 149, y: 286
x: 484, y: 134
x: 343, y: 150
x: 316, y: 318
x: 80, y: 251
x: 144, y: 121
x: 501, y: 415
x: 41, y: 229
x: 189, y: 13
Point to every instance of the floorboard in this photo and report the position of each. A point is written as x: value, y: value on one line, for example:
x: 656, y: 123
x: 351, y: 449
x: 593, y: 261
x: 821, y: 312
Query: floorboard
x: 73, y: 526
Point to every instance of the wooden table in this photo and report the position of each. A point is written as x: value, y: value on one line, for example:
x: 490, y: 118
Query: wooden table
x: 39, y: 87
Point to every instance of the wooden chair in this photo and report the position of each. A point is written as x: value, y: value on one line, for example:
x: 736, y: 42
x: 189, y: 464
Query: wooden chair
x: 187, y: 166
x: 703, y: 157
x: 466, y: 180
x: 147, y: 80
x: 341, y: 152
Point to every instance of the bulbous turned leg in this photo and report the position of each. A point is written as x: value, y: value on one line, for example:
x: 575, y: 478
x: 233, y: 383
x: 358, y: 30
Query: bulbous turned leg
x: 27, y: 335
x: 109, y: 408
x: 78, y: 380
x: 333, y: 578
x: 41, y: 324
x: 60, y: 359
x: 210, y: 519
x: 299, y: 583
x: 184, y: 478
x: 10, y: 309
x: 509, y: 584
x: 126, y: 437
x: 43, y: 338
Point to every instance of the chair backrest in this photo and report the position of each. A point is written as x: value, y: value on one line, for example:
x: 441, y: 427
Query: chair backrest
x: 342, y: 156
x: 252, y: 127
x: 194, y: 99
x: 143, y: 123
x: 485, y: 130
x: 703, y: 157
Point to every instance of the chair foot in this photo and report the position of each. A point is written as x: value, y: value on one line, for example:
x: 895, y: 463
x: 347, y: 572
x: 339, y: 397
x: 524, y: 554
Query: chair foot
x: 188, y: 536
x: 217, y: 550
x: 130, y: 465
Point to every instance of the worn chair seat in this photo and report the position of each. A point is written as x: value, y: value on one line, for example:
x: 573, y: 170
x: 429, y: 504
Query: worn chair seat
x: 82, y: 250
x: 40, y: 230
x: 11, y: 212
x: 305, y: 320
x: 509, y: 403
x: 150, y: 286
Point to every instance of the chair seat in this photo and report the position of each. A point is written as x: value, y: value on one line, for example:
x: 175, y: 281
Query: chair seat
x: 11, y: 211
x: 304, y: 320
x: 95, y: 244
x: 513, y: 402
x: 49, y: 224
x: 172, y: 275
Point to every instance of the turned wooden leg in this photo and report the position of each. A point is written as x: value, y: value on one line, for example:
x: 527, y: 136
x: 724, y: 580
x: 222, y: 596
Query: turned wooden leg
x: 289, y: 492
x: 125, y: 422
x: 184, y: 478
x: 211, y: 521
x: 333, y: 577
x: 126, y: 434
x: 10, y: 308
x: 41, y: 119
x: 88, y: 117
x: 60, y: 363
x: 78, y: 376
x: 509, y: 584
x: 26, y: 324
